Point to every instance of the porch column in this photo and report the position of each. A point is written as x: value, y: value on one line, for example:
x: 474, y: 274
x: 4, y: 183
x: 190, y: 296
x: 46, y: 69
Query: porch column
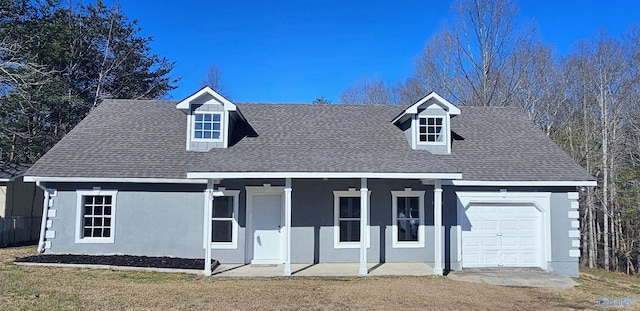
x: 437, y: 228
x: 208, y: 206
x: 287, y: 226
x: 363, y: 225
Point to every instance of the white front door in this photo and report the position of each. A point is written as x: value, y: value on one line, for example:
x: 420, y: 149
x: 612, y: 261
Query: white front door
x: 502, y: 235
x: 267, y: 222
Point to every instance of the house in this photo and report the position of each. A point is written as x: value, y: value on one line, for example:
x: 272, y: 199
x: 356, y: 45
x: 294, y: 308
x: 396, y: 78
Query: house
x: 20, y: 206
x: 455, y: 187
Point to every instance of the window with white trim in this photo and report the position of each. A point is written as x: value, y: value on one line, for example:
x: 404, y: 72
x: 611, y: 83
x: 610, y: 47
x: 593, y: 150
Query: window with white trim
x: 408, y: 218
x: 347, y: 217
x: 431, y: 130
x: 95, y: 216
x: 207, y: 125
x: 224, y: 221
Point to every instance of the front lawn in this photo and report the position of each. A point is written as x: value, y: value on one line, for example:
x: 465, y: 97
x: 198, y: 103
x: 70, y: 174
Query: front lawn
x: 48, y: 288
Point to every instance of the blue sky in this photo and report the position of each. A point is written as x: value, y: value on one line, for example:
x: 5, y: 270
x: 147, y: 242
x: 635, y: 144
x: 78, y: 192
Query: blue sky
x: 296, y: 51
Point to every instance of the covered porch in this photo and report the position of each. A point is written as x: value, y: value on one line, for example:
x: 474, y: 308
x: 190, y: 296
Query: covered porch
x: 433, y: 242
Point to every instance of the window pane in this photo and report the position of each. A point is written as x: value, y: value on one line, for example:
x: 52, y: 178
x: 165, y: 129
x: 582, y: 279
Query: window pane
x: 88, y: 210
x: 97, y: 221
x: 87, y: 232
x: 423, y: 121
x: 198, y: 126
x: 438, y: 121
x: 423, y: 137
x: 215, y: 135
x: 423, y: 129
x: 199, y: 117
x: 223, y: 207
x: 349, y: 230
x: 97, y: 210
x: 106, y: 233
x: 216, y: 117
x: 107, y: 222
x: 207, y: 134
x: 350, y: 207
x: 198, y: 134
x: 221, y: 231
x: 207, y: 117
x: 87, y: 221
x: 413, y: 207
x: 408, y: 230
x: 216, y: 126
x: 107, y: 210
x: 97, y: 232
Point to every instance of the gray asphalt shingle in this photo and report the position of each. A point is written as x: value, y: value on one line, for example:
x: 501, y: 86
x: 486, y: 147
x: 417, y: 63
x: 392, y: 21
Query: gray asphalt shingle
x: 146, y: 139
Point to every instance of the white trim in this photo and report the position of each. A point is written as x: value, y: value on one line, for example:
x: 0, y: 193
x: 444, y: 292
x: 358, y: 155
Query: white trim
x: 438, y: 236
x: 421, y: 226
x: 115, y: 180
x: 336, y: 219
x: 251, y: 191
x: 185, y: 104
x: 445, y: 104
x: 348, y: 175
x: 235, y: 194
x: 550, y: 183
x: 540, y: 200
x: 80, y: 213
x: 364, y: 227
x: 287, y: 226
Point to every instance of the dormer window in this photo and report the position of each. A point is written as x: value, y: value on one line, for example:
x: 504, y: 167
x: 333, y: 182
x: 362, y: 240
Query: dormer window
x: 431, y: 130
x: 207, y: 126
x: 427, y: 124
x: 211, y: 119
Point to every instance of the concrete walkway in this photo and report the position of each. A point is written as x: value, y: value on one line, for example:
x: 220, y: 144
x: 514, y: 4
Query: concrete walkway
x: 516, y: 277
x: 323, y: 269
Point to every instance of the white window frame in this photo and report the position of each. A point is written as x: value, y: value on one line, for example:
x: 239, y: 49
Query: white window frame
x: 351, y: 193
x: 80, y: 194
x: 408, y: 193
x: 444, y: 129
x: 193, y: 126
x: 234, y: 220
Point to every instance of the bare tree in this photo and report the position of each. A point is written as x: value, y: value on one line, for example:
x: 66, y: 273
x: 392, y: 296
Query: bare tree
x: 475, y: 61
x: 214, y: 79
x: 368, y: 91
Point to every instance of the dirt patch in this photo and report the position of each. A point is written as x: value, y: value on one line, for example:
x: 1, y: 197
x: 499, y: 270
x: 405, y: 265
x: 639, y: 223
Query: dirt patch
x: 121, y: 260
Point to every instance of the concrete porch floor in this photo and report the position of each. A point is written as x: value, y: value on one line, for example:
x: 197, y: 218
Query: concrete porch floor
x: 322, y: 269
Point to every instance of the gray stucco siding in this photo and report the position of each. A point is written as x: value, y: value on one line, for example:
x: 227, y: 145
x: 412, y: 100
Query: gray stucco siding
x: 147, y: 222
x: 168, y: 220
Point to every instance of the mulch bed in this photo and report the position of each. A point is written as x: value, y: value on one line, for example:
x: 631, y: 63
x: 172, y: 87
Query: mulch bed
x: 121, y: 260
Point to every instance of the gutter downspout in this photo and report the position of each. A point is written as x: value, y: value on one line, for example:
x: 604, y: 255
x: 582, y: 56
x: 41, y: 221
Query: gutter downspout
x: 45, y: 210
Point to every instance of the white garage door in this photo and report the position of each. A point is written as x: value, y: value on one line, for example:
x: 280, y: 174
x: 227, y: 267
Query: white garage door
x: 502, y: 236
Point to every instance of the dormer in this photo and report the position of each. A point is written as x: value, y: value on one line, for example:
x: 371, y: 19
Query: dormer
x: 210, y: 119
x: 427, y: 124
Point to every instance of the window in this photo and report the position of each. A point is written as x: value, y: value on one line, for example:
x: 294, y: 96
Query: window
x: 408, y: 218
x: 95, y: 216
x: 207, y: 126
x: 224, y: 221
x: 347, y: 219
x: 431, y: 130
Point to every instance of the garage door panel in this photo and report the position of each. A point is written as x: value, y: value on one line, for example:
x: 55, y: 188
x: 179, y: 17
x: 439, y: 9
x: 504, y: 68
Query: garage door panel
x: 502, y: 235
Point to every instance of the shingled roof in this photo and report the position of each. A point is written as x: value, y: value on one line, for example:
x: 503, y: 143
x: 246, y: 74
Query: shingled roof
x: 146, y: 139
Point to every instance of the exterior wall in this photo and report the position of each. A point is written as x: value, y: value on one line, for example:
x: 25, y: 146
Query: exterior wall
x: 151, y: 220
x: 167, y: 220
x: 564, y: 220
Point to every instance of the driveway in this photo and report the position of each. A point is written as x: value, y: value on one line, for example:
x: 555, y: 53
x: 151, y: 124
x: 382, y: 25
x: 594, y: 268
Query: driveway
x: 516, y: 277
